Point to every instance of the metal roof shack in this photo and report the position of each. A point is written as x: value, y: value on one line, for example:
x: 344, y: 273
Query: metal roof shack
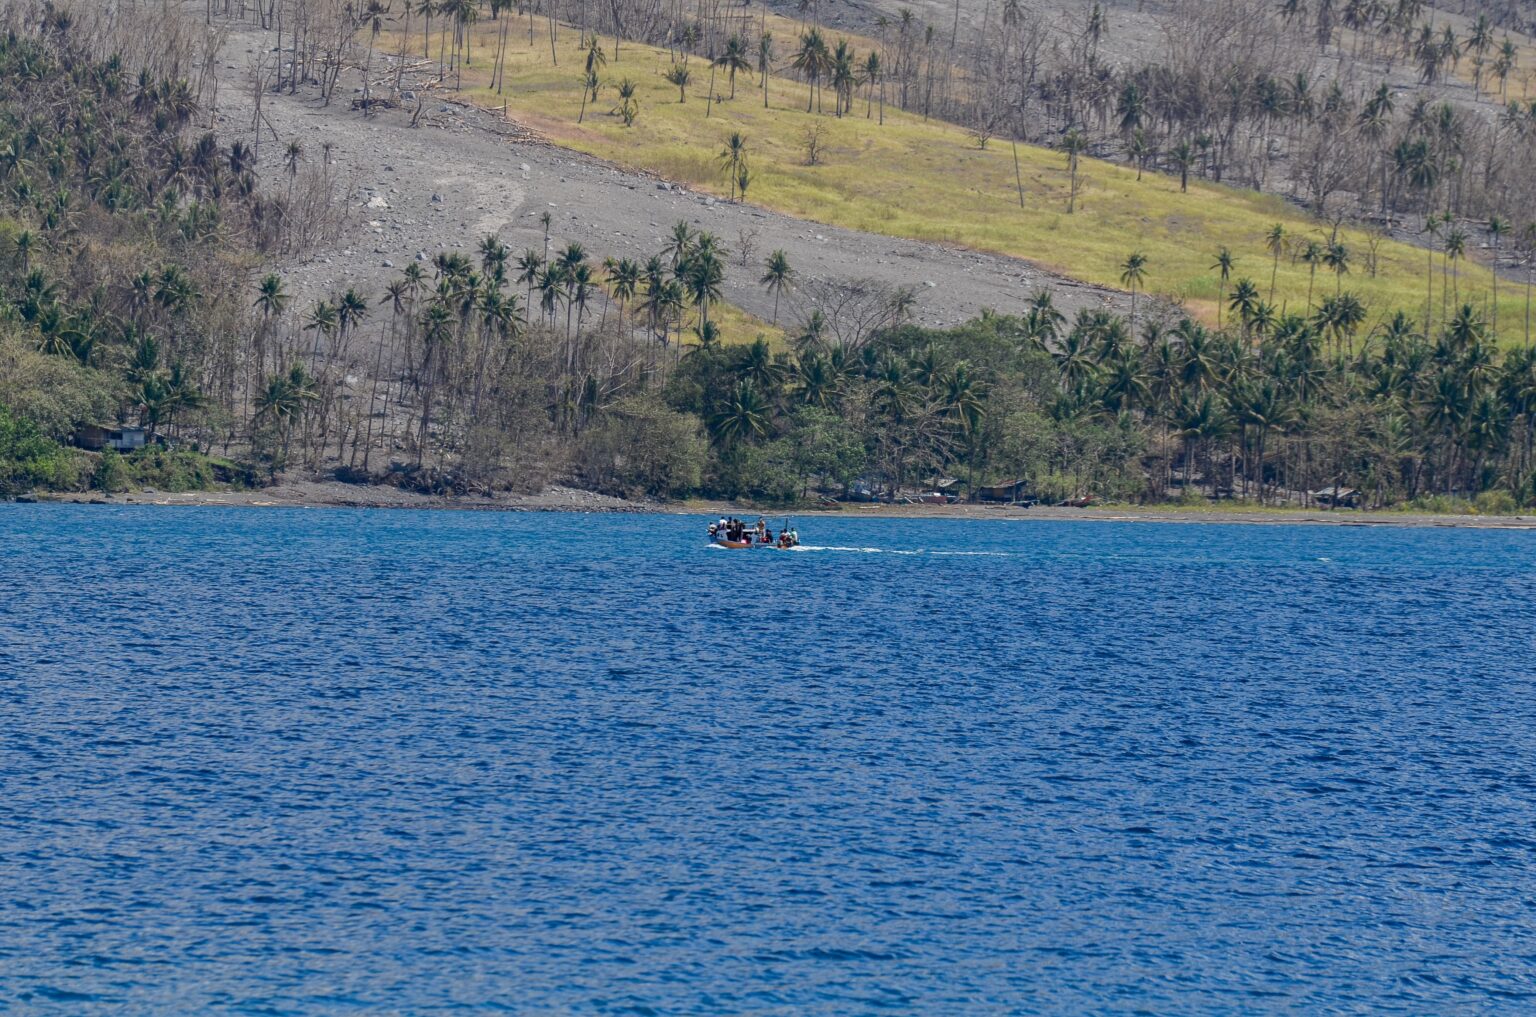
x: 1012, y: 490
x: 1337, y: 497
x: 122, y: 439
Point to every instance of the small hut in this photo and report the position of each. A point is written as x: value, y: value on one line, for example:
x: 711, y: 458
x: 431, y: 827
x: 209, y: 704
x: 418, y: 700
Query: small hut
x: 122, y: 439
x: 1010, y: 491
x: 1337, y: 497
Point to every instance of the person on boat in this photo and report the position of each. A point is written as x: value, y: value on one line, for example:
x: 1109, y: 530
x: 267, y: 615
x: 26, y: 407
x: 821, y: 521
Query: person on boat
x: 760, y: 528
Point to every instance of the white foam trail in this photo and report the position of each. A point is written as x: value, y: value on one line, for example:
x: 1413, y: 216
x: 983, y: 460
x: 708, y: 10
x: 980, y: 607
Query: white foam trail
x: 888, y: 550
x: 974, y: 554
x: 885, y: 550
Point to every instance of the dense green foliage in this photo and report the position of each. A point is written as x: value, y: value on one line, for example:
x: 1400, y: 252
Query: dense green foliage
x: 1269, y: 412
x: 29, y: 459
x: 126, y: 240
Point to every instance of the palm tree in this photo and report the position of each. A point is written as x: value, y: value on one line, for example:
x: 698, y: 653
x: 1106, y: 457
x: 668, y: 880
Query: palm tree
x: 1431, y: 228
x: 777, y: 277
x: 1341, y: 316
x: 744, y: 417
x: 24, y: 241
x: 271, y: 300
x: 351, y: 309
x: 870, y: 74
x: 1223, y: 267
x: 1275, y: 240
x: 1073, y: 143
x: 1183, y: 155
x: 812, y: 60
x: 733, y: 58
x: 596, y: 59
x: 1504, y: 64
x: 528, y: 267
x: 551, y: 287
x: 625, y: 279
x: 1312, y: 255
x: 708, y: 334
x: 679, y: 75
x: 1133, y: 273
x: 701, y: 276
x: 733, y: 158
x: 1262, y: 406
x: 1336, y: 257
x: 1200, y: 420
x: 373, y: 16
x: 1125, y: 383
x: 1497, y: 228
x: 845, y: 77
x: 1245, y: 301
x: 1075, y: 359
x: 819, y: 382
x: 1200, y: 369
x: 573, y: 255
x: 322, y: 321
x: 1455, y: 250
x: 283, y: 399
x: 582, y: 282
x: 963, y: 401
x: 765, y: 61
x: 893, y: 393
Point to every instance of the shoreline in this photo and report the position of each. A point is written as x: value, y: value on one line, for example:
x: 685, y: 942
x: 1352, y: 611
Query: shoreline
x: 334, y: 494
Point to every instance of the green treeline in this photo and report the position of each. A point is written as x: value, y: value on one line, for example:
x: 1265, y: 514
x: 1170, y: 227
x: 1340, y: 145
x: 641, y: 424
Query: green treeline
x: 1088, y: 407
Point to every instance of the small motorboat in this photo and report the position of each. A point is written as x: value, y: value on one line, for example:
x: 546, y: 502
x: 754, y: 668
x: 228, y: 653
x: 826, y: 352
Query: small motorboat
x: 786, y: 539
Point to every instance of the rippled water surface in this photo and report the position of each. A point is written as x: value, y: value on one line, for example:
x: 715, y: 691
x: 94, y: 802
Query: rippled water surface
x: 318, y: 762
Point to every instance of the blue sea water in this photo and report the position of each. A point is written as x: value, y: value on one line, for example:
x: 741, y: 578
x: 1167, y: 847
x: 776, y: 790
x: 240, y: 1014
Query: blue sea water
x: 342, y: 762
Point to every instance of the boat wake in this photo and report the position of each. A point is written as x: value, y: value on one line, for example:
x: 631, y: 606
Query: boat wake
x: 833, y: 548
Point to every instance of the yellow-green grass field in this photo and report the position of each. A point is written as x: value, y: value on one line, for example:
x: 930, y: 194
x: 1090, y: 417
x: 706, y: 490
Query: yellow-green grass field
x: 930, y: 181
x: 737, y: 325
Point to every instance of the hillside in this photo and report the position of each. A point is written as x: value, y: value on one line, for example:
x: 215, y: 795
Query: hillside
x: 187, y: 252
x: 924, y: 179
